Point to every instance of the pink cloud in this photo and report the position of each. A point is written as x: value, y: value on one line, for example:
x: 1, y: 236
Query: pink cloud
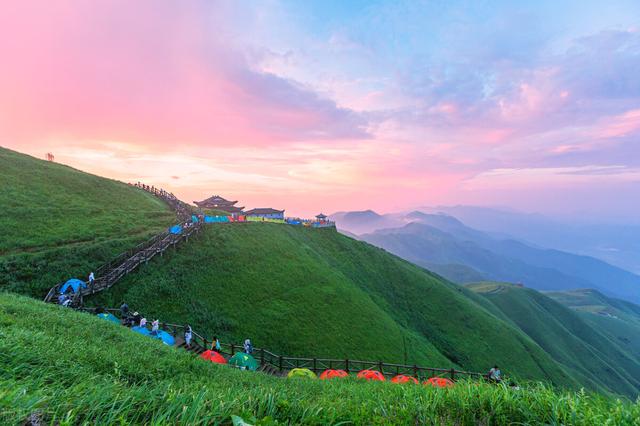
x: 158, y: 74
x: 620, y: 125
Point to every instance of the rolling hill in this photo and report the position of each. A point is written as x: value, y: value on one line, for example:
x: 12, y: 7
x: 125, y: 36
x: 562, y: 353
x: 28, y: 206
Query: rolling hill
x: 57, y: 222
x: 442, y: 242
x: 618, y: 318
x: 583, y: 347
x: 310, y: 292
x: 121, y: 377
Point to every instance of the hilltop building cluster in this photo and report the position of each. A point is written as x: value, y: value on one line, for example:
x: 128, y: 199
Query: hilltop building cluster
x: 216, y: 202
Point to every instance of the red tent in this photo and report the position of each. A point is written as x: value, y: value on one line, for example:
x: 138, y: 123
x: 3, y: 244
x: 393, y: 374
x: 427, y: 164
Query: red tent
x: 439, y: 382
x: 330, y: 374
x: 213, y: 356
x: 401, y: 378
x: 371, y: 375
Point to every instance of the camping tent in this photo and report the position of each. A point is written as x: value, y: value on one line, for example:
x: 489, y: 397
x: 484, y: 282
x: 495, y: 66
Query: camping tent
x: 74, y: 284
x: 166, y: 338
x: 163, y: 336
x: 439, y: 382
x: 109, y: 317
x: 243, y: 361
x: 213, y: 356
x: 371, y: 375
x: 141, y: 330
x: 175, y: 229
x: 304, y: 373
x: 330, y: 374
x: 401, y: 378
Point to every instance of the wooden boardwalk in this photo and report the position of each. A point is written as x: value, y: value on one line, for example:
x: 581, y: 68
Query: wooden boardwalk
x: 109, y: 274
x: 278, y: 365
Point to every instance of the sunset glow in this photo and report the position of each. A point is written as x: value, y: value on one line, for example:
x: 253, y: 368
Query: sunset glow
x: 326, y: 106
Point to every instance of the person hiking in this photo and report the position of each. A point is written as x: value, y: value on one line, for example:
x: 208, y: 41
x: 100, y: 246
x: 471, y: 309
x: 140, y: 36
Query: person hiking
x: 248, y: 348
x: 188, y: 334
x: 495, y: 375
x: 136, y: 318
x: 155, y: 326
x: 92, y: 279
x: 124, y: 310
x: 215, y: 344
x: 143, y: 322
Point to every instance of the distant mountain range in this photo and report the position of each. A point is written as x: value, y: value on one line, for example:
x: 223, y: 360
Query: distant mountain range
x: 617, y: 244
x: 447, y: 246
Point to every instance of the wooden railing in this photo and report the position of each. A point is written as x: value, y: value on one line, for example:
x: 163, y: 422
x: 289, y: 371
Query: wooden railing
x: 110, y: 273
x: 283, y: 364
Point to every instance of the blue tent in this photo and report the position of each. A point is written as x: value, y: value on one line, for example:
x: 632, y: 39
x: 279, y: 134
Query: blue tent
x: 141, y: 330
x: 166, y: 338
x: 74, y: 284
x: 175, y: 229
x: 163, y: 336
x: 109, y: 317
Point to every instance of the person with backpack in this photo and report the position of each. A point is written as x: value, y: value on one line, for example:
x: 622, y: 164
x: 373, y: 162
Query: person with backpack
x: 495, y: 375
x: 215, y: 344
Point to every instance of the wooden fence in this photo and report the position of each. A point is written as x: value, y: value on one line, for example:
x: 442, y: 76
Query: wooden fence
x: 283, y: 364
x: 110, y: 273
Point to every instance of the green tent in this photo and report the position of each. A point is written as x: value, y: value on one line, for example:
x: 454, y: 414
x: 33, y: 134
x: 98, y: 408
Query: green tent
x: 243, y: 361
x: 304, y: 373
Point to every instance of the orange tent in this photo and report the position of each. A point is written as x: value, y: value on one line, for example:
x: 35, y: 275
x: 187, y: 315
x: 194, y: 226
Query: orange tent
x: 330, y: 374
x: 371, y: 375
x: 213, y: 356
x: 401, y: 378
x: 439, y: 382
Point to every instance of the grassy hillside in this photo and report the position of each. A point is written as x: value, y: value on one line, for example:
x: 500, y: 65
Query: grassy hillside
x: 92, y: 371
x: 57, y: 222
x: 618, y: 318
x: 311, y: 292
x: 583, y: 347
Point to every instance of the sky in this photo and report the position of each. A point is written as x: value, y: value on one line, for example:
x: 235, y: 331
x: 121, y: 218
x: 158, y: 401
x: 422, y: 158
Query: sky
x: 335, y: 105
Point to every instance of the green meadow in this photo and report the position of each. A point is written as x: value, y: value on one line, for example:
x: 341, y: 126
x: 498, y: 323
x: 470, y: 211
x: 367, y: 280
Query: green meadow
x: 58, y: 223
x: 72, y: 368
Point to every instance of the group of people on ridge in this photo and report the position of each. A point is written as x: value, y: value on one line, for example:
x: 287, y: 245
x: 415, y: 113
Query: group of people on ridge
x: 137, y: 320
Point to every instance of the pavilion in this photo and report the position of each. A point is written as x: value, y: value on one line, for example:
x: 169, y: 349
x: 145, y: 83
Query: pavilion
x: 216, y: 202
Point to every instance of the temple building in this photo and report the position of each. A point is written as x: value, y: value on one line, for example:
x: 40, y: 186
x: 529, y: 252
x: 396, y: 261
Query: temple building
x: 267, y: 213
x: 218, y: 203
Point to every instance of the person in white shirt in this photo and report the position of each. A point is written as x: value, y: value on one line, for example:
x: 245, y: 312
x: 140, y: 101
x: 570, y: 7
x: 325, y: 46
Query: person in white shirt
x: 155, y: 325
x: 188, y: 335
x: 495, y: 375
x: 143, y: 322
